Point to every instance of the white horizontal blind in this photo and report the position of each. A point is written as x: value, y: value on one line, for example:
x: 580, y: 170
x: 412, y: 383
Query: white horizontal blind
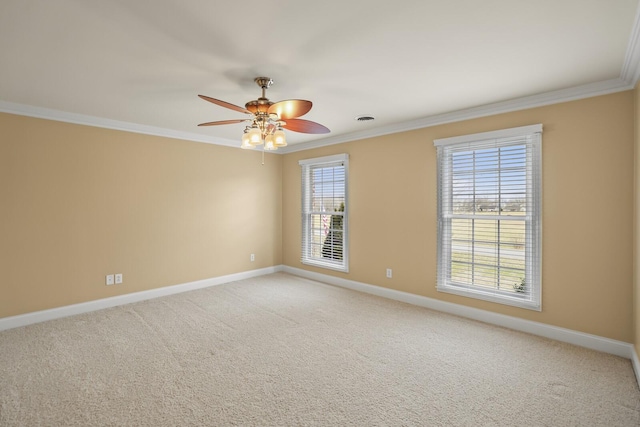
x: 489, y: 223
x: 324, y: 212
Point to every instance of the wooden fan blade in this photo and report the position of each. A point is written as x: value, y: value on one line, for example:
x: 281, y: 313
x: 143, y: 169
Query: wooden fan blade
x: 291, y: 108
x: 224, y: 122
x: 304, y: 126
x: 225, y: 104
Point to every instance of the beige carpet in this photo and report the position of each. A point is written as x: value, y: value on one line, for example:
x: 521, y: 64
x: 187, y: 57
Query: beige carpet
x: 283, y: 351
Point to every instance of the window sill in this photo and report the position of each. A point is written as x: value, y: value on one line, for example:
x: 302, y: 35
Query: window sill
x: 326, y: 264
x: 490, y: 296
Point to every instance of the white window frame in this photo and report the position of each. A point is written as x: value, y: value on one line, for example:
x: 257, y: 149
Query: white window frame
x: 532, y: 299
x: 307, y: 167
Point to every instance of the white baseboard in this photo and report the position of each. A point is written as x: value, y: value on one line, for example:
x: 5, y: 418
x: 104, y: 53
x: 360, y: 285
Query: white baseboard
x: 582, y: 339
x: 636, y: 363
x: 70, y: 310
x: 594, y: 342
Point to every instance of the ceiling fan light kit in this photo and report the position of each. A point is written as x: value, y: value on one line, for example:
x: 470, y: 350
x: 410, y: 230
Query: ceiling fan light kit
x: 269, y: 119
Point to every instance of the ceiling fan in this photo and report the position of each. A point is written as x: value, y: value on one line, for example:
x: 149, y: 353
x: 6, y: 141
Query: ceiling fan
x: 269, y: 118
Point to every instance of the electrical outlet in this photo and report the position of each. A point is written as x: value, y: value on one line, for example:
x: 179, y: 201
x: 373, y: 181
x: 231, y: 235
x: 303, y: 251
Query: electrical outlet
x: 253, y: 257
x: 109, y: 280
x: 389, y: 273
x: 118, y: 278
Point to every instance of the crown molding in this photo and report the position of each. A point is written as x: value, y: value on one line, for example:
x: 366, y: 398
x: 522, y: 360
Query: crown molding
x: 82, y: 119
x: 564, y: 95
x: 631, y: 68
x: 548, y: 98
x: 629, y: 76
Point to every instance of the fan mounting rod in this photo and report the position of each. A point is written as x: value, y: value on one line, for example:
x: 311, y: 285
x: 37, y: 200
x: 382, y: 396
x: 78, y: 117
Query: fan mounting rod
x: 260, y: 106
x: 264, y: 83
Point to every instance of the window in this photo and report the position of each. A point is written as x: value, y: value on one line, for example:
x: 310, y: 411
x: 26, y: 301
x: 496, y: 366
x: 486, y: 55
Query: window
x: 489, y: 216
x: 324, y: 212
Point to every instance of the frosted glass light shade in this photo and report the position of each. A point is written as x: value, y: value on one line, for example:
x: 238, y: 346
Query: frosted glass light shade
x: 246, y: 144
x: 255, y: 136
x: 269, y: 143
x: 280, y: 140
x: 246, y: 140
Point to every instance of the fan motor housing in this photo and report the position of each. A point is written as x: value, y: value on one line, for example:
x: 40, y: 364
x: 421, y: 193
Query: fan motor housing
x: 260, y: 105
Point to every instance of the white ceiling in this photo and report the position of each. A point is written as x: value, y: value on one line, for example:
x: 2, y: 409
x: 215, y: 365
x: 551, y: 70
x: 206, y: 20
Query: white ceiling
x: 141, y: 63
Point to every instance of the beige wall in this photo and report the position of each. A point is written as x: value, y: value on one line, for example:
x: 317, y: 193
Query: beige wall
x: 79, y: 202
x: 588, y: 149
x: 636, y: 222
